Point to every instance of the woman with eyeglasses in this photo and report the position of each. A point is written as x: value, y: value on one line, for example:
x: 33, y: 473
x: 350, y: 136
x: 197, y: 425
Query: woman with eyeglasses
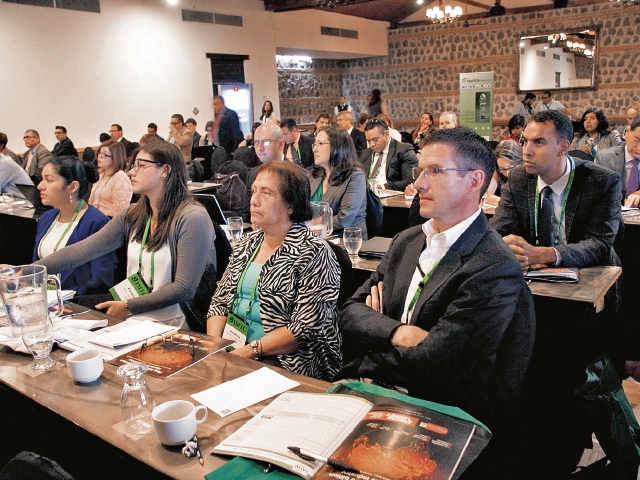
x: 65, y: 182
x: 336, y: 179
x: 508, y: 156
x: 594, y: 133
x: 112, y: 193
x: 168, y: 236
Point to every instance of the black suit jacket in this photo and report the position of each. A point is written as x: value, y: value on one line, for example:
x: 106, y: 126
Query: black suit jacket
x: 129, y: 147
x: 64, y: 147
x: 305, y: 145
x: 359, y: 140
x: 229, y: 133
x: 400, y: 162
x: 479, y: 315
x: 592, y: 216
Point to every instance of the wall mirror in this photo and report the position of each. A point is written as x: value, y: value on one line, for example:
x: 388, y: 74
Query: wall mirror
x: 558, y: 61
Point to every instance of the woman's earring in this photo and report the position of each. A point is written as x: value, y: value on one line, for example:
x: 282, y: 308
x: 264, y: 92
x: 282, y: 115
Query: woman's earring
x: 70, y: 198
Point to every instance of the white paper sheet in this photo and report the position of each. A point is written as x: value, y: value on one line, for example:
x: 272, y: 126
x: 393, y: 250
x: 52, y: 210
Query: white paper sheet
x: 245, y: 391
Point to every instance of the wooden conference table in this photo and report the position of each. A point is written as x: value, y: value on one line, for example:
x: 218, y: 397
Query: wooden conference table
x: 73, y: 423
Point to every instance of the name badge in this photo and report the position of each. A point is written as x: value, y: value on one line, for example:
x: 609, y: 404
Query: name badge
x: 131, y: 287
x: 236, y: 330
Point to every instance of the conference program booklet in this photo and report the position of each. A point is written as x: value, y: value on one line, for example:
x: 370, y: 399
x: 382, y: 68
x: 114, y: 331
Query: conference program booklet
x: 383, y: 442
x: 554, y: 275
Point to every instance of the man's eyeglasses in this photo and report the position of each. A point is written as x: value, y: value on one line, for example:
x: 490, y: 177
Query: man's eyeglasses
x: 136, y: 164
x: 433, y: 171
x: 264, y: 143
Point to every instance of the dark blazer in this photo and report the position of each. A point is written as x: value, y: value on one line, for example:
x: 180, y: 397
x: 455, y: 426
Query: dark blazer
x: 305, y: 145
x: 613, y: 159
x: 229, y: 133
x: 42, y: 156
x: 347, y: 200
x: 592, y: 216
x: 478, y: 312
x: 64, y: 147
x: 400, y: 162
x: 196, y: 139
x: 359, y: 140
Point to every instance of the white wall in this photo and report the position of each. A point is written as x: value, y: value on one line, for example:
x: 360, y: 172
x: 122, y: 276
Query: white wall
x: 135, y: 62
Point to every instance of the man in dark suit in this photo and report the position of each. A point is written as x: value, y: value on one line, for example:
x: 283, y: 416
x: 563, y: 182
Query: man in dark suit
x: 116, y: 134
x: 322, y: 120
x: 387, y: 162
x: 297, y: 148
x: 34, y: 159
x: 64, y: 145
x: 226, y: 126
x: 191, y: 125
x: 624, y: 159
x: 447, y: 314
x: 584, y: 198
x: 345, y: 120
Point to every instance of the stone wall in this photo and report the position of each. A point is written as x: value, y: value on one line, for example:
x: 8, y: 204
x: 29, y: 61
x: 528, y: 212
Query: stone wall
x: 421, y: 72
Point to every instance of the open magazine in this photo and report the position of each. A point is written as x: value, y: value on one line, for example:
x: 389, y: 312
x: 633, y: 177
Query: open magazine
x: 381, y: 442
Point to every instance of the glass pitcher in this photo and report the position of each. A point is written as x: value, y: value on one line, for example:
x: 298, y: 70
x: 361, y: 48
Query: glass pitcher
x: 24, y: 292
x: 322, y: 221
x: 137, y: 400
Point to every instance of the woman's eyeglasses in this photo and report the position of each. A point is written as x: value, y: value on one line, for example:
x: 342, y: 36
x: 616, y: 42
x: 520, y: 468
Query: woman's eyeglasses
x: 136, y: 164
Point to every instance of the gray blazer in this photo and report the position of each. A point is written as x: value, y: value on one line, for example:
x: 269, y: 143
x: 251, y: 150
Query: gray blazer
x: 347, y: 200
x: 613, y: 159
x: 41, y: 157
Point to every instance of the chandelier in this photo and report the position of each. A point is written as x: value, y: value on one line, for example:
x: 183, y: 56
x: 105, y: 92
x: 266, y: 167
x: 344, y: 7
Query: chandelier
x: 627, y: 3
x: 332, y: 3
x: 581, y: 48
x: 443, y: 14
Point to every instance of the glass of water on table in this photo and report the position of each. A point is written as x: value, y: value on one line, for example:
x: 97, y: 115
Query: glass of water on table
x: 235, y: 228
x: 352, y: 238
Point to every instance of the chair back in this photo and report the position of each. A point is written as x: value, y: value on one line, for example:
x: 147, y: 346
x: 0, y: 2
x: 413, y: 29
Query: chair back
x: 348, y: 285
x: 374, y: 214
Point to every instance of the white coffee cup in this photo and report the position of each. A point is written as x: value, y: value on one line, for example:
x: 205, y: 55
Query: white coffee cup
x: 85, y: 365
x: 175, y: 421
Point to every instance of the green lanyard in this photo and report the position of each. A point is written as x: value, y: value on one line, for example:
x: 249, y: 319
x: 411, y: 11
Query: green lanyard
x: 73, y: 219
x: 236, y: 298
x: 564, y: 203
x: 419, y: 289
x: 144, y: 241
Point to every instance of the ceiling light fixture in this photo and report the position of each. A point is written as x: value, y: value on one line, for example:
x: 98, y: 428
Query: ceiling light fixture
x: 627, y: 3
x: 443, y: 14
x: 332, y: 3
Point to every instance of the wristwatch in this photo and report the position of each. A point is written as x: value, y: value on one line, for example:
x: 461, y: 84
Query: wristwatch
x: 254, y: 349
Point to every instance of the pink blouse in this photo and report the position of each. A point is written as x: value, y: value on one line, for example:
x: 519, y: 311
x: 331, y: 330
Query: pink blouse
x: 112, y: 193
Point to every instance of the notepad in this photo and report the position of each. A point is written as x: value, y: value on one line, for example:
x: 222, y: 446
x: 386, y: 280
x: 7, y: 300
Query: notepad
x: 131, y: 334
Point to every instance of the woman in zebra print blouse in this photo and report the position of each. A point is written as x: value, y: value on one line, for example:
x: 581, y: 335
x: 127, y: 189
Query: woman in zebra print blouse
x: 282, y: 282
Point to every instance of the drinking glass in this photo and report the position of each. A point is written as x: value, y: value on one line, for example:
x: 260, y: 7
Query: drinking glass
x: 137, y: 400
x: 235, y: 228
x: 7, y: 198
x: 321, y: 222
x: 352, y: 238
x: 24, y: 292
x: 38, y: 338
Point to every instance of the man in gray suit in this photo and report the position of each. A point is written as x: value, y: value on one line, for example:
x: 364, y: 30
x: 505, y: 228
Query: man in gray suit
x: 447, y: 315
x: 624, y: 159
x: 34, y: 159
x: 387, y: 162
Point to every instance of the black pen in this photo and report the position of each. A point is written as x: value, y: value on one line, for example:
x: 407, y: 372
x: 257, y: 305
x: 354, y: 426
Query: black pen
x: 198, y: 452
x: 306, y: 455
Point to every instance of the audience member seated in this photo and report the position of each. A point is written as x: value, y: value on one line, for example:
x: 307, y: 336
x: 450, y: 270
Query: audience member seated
x: 12, y: 174
x: 375, y: 104
x: 447, y: 314
x: 594, y: 133
x: 34, y: 159
x: 322, y: 120
x: 516, y: 125
x: 65, y: 182
x: 425, y: 128
x: 623, y: 159
x: 387, y: 162
x: 4, y: 150
x: 298, y: 148
x: 282, y: 280
x: 147, y: 138
x: 576, y: 203
x: 180, y: 136
x: 345, y: 120
x: 362, y: 121
x: 632, y: 112
x: 117, y: 135
x: 168, y: 235
x: 112, y: 193
x: 508, y: 156
x: 267, y: 112
x: 64, y: 146
x: 336, y: 179
x: 207, y: 138
x: 152, y: 128
x: 393, y: 133
x: 191, y: 125
x: 447, y: 120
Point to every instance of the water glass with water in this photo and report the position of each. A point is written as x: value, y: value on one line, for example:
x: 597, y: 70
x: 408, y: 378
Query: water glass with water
x: 38, y: 338
x: 235, y: 228
x: 352, y: 238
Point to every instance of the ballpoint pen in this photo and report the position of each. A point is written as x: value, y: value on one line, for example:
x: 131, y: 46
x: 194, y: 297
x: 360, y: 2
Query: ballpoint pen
x: 198, y: 452
x: 306, y: 455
